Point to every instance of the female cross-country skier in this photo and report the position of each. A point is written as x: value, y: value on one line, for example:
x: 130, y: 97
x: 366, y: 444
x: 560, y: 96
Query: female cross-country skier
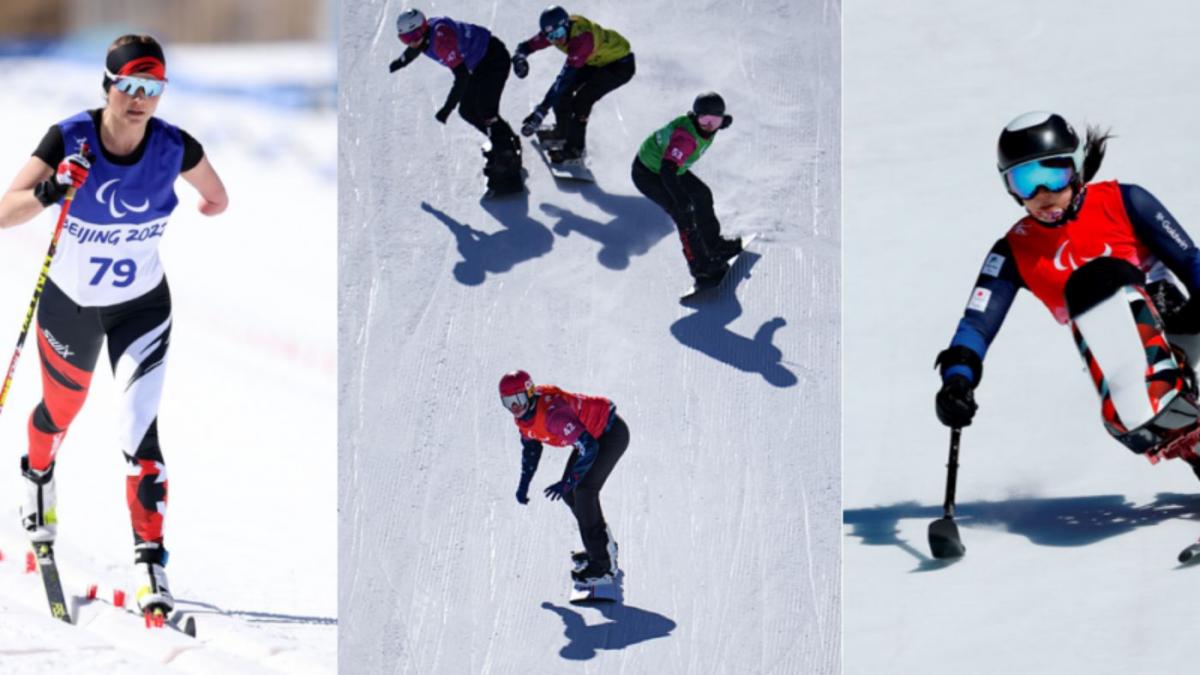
x: 597, y: 436
x: 479, y: 61
x: 1097, y: 255
x: 662, y: 172
x: 106, y: 284
x: 598, y: 61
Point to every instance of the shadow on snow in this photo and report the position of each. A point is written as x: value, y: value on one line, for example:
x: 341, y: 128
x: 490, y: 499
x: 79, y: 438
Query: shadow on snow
x: 625, y: 626
x: 706, y: 331
x: 637, y: 223
x: 1049, y: 521
x: 522, y: 238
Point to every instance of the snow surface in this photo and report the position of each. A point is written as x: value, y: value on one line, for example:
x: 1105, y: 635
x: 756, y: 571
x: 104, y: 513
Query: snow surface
x: 247, y: 421
x: 726, y: 503
x: 1071, y: 540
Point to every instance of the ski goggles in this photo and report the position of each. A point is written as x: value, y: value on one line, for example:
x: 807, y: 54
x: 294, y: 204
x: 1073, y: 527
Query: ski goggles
x: 1024, y: 180
x: 711, y: 121
x: 128, y: 84
x: 556, y: 33
x: 516, y: 403
x: 413, y: 36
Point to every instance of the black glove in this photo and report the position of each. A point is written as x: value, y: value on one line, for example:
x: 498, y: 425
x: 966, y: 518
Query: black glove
x: 523, y: 495
x: 443, y: 115
x: 556, y: 491
x: 956, y: 402
x: 727, y: 122
x: 397, y: 64
x: 520, y: 66
x: 1179, y: 314
x: 530, y: 124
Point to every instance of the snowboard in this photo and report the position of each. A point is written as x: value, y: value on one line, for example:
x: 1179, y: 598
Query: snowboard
x: 699, y: 291
x: 605, y: 591
x: 547, y: 147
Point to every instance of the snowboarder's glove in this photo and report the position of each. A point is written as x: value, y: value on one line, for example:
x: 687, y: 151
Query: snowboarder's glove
x: 956, y: 402
x: 530, y: 124
x: 72, y: 172
x: 520, y: 65
x: 398, y: 64
x: 443, y: 115
x: 556, y: 491
x: 1180, y: 314
x: 523, y: 495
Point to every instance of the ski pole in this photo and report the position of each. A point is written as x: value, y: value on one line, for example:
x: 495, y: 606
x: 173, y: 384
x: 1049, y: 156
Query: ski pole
x: 37, y: 294
x: 944, y: 541
x: 951, y: 473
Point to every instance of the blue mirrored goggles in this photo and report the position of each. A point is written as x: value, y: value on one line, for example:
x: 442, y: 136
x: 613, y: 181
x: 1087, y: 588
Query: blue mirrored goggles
x: 556, y: 33
x: 1024, y: 180
x: 128, y: 84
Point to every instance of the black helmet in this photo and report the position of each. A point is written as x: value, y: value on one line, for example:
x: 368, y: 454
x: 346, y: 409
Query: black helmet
x: 1038, y: 135
x: 708, y: 103
x: 553, y: 17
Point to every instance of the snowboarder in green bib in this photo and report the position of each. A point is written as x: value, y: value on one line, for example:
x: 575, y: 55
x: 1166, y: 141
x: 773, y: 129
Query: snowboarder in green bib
x: 662, y: 172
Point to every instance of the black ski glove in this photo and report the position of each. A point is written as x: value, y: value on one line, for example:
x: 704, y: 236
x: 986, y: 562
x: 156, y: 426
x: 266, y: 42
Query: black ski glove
x: 443, y: 115
x: 520, y: 66
x: 556, y: 491
x: 523, y: 490
x: 956, y: 402
x: 397, y: 64
x: 530, y: 124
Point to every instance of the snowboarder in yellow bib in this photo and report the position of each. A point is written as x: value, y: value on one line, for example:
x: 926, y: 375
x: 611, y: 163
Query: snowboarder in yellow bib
x: 598, y: 61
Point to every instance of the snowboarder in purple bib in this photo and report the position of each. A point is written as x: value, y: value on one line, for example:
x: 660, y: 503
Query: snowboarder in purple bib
x: 479, y: 61
x: 598, y: 61
x: 662, y: 172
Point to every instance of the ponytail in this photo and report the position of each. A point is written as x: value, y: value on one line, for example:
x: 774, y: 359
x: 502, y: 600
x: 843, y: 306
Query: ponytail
x: 1093, y: 151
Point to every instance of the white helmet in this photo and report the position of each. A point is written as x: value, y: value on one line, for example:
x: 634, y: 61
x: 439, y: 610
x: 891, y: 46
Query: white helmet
x: 409, y: 21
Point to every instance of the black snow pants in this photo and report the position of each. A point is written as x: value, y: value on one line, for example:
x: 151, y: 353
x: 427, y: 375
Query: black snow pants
x: 584, y: 500
x: 480, y: 104
x: 706, y: 226
x: 591, y: 83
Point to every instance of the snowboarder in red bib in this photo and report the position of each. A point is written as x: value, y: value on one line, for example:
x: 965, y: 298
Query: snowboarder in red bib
x: 662, y: 172
x: 598, y: 61
x: 479, y: 61
x: 1097, y: 255
x: 597, y: 436
x: 106, y: 285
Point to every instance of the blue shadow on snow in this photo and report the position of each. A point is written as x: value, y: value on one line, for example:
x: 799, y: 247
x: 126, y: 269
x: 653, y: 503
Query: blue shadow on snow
x: 706, y: 330
x: 637, y: 223
x: 625, y: 626
x: 522, y: 238
x: 1048, y: 521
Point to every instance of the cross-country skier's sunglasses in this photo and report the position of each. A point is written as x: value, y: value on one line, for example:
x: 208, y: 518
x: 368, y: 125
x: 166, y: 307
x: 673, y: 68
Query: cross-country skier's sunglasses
x: 128, y: 84
x: 1024, y: 180
x: 520, y: 400
x: 556, y: 33
x: 711, y: 121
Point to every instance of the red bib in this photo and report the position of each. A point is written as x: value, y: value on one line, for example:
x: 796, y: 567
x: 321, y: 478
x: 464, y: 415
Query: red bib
x: 561, y: 416
x: 1046, y: 256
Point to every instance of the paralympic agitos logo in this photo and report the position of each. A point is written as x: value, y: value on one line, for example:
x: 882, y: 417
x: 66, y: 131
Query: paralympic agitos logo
x: 112, y: 200
x: 1070, y: 257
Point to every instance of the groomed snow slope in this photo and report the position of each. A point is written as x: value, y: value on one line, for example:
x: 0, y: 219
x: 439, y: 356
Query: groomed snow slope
x: 726, y: 503
x: 247, y: 420
x: 1071, y: 540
